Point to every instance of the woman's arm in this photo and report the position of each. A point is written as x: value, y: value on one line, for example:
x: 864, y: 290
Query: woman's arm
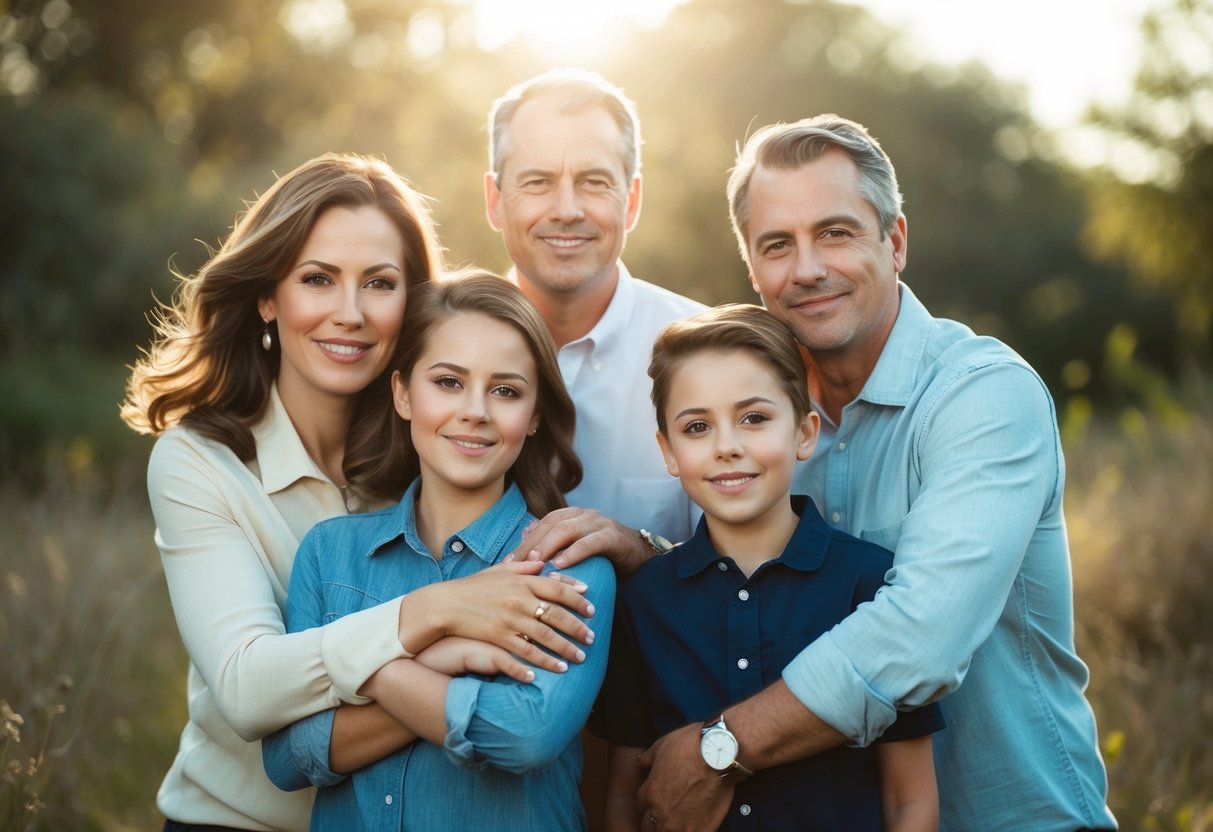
x: 624, y: 777
x: 223, y: 548
x: 908, y: 794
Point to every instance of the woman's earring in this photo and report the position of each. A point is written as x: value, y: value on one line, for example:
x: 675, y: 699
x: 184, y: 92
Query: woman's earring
x: 267, y: 340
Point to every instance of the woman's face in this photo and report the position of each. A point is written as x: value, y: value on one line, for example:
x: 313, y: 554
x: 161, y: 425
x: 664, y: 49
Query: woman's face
x: 470, y: 400
x: 340, y: 307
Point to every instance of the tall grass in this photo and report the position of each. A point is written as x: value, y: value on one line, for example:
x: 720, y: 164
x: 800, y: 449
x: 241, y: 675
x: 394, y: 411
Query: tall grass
x: 92, y: 677
x: 1140, y: 514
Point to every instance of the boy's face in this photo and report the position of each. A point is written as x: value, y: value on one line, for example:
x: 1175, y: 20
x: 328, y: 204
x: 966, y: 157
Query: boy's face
x: 734, y: 438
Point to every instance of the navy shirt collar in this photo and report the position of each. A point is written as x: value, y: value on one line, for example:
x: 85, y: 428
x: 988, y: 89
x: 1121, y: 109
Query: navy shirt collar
x: 806, y: 550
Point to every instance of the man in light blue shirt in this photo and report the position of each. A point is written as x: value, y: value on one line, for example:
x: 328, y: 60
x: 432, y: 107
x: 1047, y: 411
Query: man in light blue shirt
x: 937, y: 444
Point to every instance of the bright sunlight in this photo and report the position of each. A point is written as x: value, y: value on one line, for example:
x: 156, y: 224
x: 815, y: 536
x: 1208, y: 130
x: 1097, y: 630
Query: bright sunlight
x: 566, y: 28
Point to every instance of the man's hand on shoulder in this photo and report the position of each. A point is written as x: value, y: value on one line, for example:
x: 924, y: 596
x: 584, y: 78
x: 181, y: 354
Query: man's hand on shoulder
x: 568, y: 536
x: 681, y: 792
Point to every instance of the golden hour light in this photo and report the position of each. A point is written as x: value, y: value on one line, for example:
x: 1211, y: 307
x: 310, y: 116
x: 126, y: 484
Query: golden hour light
x: 566, y: 28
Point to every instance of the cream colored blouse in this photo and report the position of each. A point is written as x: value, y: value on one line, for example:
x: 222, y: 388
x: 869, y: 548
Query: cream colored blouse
x: 227, y: 533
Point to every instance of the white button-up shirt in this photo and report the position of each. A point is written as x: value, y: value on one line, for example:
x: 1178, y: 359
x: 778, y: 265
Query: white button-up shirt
x: 607, y: 375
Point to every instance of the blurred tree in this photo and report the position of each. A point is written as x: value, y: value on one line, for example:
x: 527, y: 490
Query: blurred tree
x: 1153, y: 212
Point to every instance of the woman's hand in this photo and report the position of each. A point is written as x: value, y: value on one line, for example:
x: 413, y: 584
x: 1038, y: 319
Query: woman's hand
x: 568, y: 536
x: 510, y: 606
x: 458, y: 656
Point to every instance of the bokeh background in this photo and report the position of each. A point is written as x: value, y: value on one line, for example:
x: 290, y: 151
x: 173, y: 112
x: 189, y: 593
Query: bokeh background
x: 132, y: 131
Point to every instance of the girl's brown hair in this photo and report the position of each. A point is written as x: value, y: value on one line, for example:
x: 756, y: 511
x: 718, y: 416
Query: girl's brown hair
x: 547, y: 466
x: 206, y: 368
x: 733, y: 326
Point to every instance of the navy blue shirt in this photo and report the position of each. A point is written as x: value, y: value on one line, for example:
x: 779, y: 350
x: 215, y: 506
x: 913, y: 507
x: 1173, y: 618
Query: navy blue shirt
x: 693, y: 635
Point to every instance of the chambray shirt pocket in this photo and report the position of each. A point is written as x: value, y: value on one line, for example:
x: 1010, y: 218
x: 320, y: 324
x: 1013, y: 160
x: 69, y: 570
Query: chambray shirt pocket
x: 341, y: 599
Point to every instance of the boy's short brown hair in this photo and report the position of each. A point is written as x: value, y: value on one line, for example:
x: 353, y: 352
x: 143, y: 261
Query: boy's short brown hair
x: 732, y: 326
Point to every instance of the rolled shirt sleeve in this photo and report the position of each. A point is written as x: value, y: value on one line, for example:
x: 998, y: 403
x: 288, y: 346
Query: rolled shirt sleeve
x: 984, y: 469
x: 521, y: 727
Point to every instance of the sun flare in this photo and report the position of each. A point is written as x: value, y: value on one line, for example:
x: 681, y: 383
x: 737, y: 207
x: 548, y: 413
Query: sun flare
x: 568, y: 28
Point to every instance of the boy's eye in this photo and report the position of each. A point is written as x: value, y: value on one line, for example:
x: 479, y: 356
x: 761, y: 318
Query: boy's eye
x: 696, y: 426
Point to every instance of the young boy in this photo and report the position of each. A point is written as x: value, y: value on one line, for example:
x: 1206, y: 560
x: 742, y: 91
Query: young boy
x: 718, y: 618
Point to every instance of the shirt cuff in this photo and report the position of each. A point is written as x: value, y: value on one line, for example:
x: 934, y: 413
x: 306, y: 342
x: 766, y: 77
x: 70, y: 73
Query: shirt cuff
x: 462, y: 695
x: 310, y: 740
x: 355, y: 646
x: 823, y: 678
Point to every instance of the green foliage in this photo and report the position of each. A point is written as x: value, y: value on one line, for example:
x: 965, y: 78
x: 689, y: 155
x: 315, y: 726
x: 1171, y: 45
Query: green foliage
x: 1158, y: 223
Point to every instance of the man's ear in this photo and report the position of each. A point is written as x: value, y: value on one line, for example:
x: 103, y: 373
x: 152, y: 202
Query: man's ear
x: 400, y: 397
x: 634, y: 198
x: 671, y: 464
x: 900, y: 236
x: 807, y: 433
x: 492, y: 201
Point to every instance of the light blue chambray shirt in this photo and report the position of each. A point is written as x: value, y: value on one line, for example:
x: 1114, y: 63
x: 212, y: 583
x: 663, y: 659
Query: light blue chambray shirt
x: 512, y: 756
x: 950, y: 457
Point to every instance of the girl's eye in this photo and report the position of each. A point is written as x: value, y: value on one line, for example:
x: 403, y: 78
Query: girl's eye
x: 381, y: 283
x: 449, y: 382
x: 754, y: 418
x: 316, y: 279
x: 505, y: 391
x: 697, y: 426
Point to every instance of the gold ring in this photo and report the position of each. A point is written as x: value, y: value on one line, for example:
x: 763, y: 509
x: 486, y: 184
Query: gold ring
x: 524, y: 636
x: 541, y: 609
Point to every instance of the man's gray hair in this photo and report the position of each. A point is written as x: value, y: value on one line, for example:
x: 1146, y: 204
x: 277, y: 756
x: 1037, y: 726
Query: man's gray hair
x: 791, y: 146
x: 580, y: 89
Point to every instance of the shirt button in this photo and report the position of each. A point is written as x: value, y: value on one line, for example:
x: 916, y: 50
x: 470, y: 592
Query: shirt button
x: 597, y: 365
x: 743, y: 663
x: 387, y: 798
x: 743, y: 595
x: 722, y: 566
x: 457, y: 546
x: 744, y: 809
x: 842, y: 446
x: 836, y: 517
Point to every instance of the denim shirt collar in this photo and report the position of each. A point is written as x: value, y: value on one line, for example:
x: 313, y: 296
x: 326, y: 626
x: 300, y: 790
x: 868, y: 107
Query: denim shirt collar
x: 895, y: 376
x: 805, y: 551
x: 486, y: 536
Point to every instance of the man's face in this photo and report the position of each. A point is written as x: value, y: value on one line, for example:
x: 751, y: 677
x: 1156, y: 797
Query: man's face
x: 819, y: 259
x: 564, y: 204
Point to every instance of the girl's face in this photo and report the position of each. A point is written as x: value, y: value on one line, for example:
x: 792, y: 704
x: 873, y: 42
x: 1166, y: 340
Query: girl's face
x: 470, y: 401
x: 340, y: 307
x: 734, y: 437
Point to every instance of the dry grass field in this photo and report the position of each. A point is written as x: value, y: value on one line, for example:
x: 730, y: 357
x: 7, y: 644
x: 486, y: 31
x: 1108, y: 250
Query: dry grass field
x: 92, y: 677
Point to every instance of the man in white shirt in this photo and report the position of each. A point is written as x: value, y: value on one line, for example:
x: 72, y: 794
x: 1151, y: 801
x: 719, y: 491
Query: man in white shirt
x: 564, y: 190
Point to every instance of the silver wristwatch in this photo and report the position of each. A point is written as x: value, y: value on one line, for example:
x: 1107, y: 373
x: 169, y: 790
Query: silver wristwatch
x: 719, y: 748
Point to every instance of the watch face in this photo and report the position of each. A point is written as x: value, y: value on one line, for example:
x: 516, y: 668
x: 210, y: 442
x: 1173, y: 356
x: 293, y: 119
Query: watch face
x: 719, y: 748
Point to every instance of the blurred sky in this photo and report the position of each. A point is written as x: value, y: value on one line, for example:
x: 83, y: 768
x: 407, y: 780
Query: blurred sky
x: 1067, y: 52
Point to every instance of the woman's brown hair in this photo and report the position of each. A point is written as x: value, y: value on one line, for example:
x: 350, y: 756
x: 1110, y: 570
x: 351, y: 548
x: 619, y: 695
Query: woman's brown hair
x: 206, y: 368
x: 547, y: 466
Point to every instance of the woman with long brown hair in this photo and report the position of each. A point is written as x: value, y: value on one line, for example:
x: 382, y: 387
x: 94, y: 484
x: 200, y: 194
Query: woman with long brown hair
x: 268, y: 387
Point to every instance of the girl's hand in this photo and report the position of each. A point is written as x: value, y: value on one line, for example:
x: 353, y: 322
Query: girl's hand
x: 458, y: 656
x: 509, y: 605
